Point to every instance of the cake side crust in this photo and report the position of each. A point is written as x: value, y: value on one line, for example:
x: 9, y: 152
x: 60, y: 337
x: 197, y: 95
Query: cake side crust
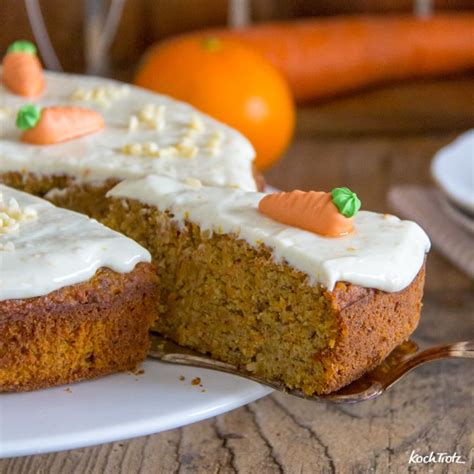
x: 78, y: 332
x: 372, y: 324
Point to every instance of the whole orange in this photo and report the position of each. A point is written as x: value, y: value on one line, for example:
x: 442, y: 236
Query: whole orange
x: 228, y: 81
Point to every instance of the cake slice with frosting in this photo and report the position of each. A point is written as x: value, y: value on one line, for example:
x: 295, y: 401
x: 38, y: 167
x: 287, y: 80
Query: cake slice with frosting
x: 76, y: 298
x: 258, y: 281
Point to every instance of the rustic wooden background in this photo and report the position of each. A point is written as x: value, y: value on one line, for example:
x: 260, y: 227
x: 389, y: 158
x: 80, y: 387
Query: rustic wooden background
x: 368, y: 141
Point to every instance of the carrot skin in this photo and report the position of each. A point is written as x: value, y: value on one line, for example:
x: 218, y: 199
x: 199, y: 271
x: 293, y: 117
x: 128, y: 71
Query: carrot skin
x: 325, y: 57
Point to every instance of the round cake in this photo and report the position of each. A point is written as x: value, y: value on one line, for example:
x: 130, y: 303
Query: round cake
x: 298, y: 287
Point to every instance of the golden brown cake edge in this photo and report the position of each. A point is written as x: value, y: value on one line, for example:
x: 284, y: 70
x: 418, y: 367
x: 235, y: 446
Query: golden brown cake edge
x: 78, y: 332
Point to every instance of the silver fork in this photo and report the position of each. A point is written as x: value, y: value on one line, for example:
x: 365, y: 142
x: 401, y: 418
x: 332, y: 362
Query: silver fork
x: 402, y: 360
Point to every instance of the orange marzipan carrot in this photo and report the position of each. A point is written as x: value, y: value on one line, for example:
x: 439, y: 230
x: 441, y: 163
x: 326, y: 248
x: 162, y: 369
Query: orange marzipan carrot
x: 313, y: 211
x: 322, y: 57
x: 22, y: 72
x: 59, y: 124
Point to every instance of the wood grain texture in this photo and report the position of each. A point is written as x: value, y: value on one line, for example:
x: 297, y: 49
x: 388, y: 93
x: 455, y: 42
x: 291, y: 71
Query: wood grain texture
x: 409, y: 107
x: 427, y: 411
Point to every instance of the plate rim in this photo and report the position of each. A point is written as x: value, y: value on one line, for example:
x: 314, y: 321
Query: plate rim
x: 456, y: 214
x: 125, y: 430
x: 445, y: 153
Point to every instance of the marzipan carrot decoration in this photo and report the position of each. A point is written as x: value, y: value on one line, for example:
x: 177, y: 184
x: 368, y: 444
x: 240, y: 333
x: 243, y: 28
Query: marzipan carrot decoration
x: 327, y: 214
x: 56, y: 124
x: 22, y: 72
x: 322, y: 57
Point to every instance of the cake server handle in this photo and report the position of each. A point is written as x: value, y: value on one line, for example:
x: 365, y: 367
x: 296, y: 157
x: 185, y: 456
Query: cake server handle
x: 461, y: 349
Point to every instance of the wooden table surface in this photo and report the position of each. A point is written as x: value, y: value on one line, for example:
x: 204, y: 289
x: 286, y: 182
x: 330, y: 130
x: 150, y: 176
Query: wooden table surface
x: 368, y: 142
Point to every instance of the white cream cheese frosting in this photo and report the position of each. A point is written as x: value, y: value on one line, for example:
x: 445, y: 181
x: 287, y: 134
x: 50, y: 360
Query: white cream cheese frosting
x: 383, y: 252
x: 44, y: 248
x: 145, y: 133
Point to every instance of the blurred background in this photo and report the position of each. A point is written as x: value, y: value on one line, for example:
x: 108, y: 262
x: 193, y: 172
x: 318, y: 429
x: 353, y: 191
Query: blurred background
x: 144, y: 22
x: 378, y: 137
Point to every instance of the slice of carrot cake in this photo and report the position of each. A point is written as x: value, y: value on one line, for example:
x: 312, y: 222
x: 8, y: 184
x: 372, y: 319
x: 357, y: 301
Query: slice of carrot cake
x: 289, y: 287
x: 76, y: 298
x: 142, y: 133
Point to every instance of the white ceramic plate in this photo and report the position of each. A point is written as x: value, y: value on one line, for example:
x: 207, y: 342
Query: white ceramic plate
x: 453, y: 169
x: 117, y: 407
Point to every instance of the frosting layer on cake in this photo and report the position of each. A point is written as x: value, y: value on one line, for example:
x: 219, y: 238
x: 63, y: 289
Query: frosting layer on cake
x: 382, y: 252
x: 144, y: 133
x: 44, y: 248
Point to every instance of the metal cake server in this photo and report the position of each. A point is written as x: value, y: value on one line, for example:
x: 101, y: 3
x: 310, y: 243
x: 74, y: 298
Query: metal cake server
x: 402, y: 360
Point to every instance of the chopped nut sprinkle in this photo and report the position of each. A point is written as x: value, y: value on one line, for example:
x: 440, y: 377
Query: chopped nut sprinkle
x: 152, y: 150
x: 196, y: 124
x: 169, y: 151
x: 133, y: 123
x: 195, y: 183
x: 214, y: 143
x: 5, y: 112
x: 8, y: 247
x: 152, y: 116
x: 187, y: 151
x: 101, y: 95
x: 11, y: 216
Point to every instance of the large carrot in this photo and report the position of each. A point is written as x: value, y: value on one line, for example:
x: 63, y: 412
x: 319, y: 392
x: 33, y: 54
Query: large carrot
x: 22, y: 72
x: 323, y: 57
x: 56, y: 124
x: 327, y: 214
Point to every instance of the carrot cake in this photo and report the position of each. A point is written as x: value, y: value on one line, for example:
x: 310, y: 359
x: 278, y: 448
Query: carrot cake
x: 296, y: 287
x: 285, y: 303
x: 76, y: 298
x: 144, y: 133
